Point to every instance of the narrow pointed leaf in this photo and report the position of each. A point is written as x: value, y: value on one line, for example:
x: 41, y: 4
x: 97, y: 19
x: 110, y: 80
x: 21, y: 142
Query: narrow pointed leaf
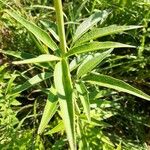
x: 119, y: 146
x: 48, y: 26
x: 31, y: 82
x: 24, y: 55
x: 84, y: 97
x: 75, y: 62
x: 10, y: 83
x: 39, y: 59
x: 100, y: 32
x: 110, y: 82
x: 89, y: 23
x: 42, y: 49
x: 64, y: 89
x: 38, y: 32
x: 94, y: 46
x: 16, y: 54
x: 58, y: 128
x: 49, y: 110
x: 91, y: 62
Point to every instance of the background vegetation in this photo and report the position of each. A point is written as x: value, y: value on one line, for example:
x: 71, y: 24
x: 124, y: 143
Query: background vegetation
x: 119, y: 120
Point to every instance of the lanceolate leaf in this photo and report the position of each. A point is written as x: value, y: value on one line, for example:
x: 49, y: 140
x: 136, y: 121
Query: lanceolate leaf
x: 89, y: 23
x: 39, y: 59
x: 31, y: 82
x: 58, y: 128
x: 64, y: 89
x: 48, y: 27
x: 16, y: 54
x: 91, y: 62
x: 38, y: 32
x: 49, y: 110
x: 100, y: 32
x: 110, y: 82
x: 24, y: 55
x: 84, y: 97
x: 94, y: 46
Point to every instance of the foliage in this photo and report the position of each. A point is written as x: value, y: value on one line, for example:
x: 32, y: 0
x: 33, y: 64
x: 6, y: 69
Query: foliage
x: 64, y: 85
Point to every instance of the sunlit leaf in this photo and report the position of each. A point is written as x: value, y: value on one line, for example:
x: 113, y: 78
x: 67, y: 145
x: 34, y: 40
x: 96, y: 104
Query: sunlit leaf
x: 31, y: 82
x: 89, y: 23
x: 91, y: 62
x: 57, y: 128
x: 39, y: 59
x: 51, y: 30
x: 49, y: 110
x: 84, y: 97
x: 110, y: 82
x: 119, y: 147
x: 38, y: 32
x: 16, y: 54
x: 100, y: 32
x: 94, y: 46
x: 105, y: 139
x: 10, y: 83
x: 64, y: 89
x: 24, y: 55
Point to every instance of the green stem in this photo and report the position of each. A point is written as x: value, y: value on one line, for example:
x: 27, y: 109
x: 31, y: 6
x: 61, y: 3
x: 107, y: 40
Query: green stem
x: 142, y: 47
x: 60, y: 24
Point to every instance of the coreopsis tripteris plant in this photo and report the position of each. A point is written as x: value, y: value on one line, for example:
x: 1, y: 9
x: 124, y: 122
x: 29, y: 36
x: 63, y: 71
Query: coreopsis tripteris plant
x: 68, y: 88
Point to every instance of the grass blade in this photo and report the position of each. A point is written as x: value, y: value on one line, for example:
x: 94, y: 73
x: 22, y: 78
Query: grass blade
x: 64, y: 89
x: 39, y: 59
x: 49, y: 110
x: 110, y: 82
x: 31, y: 82
x: 94, y: 46
x: 38, y: 32
x: 91, y: 62
x: 100, y: 32
x: 89, y: 23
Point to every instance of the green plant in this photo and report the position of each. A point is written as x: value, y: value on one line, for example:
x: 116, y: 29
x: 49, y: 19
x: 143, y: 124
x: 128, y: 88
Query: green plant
x: 67, y: 87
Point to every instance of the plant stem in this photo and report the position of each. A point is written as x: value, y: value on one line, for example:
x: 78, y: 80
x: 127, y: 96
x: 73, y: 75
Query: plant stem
x: 60, y: 24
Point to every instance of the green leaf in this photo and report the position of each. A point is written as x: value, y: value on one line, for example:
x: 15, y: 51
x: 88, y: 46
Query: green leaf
x: 10, y: 83
x: 38, y: 32
x: 91, y: 62
x: 39, y: 59
x: 94, y: 46
x: 48, y: 26
x: 119, y: 146
x: 89, y: 23
x: 100, y: 32
x: 42, y: 49
x: 24, y: 55
x: 105, y: 139
x: 110, y: 82
x: 84, y: 97
x: 15, y: 103
x: 49, y: 110
x: 16, y: 54
x: 56, y: 129
x: 31, y: 82
x: 75, y: 62
x: 95, y: 122
x: 64, y: 89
